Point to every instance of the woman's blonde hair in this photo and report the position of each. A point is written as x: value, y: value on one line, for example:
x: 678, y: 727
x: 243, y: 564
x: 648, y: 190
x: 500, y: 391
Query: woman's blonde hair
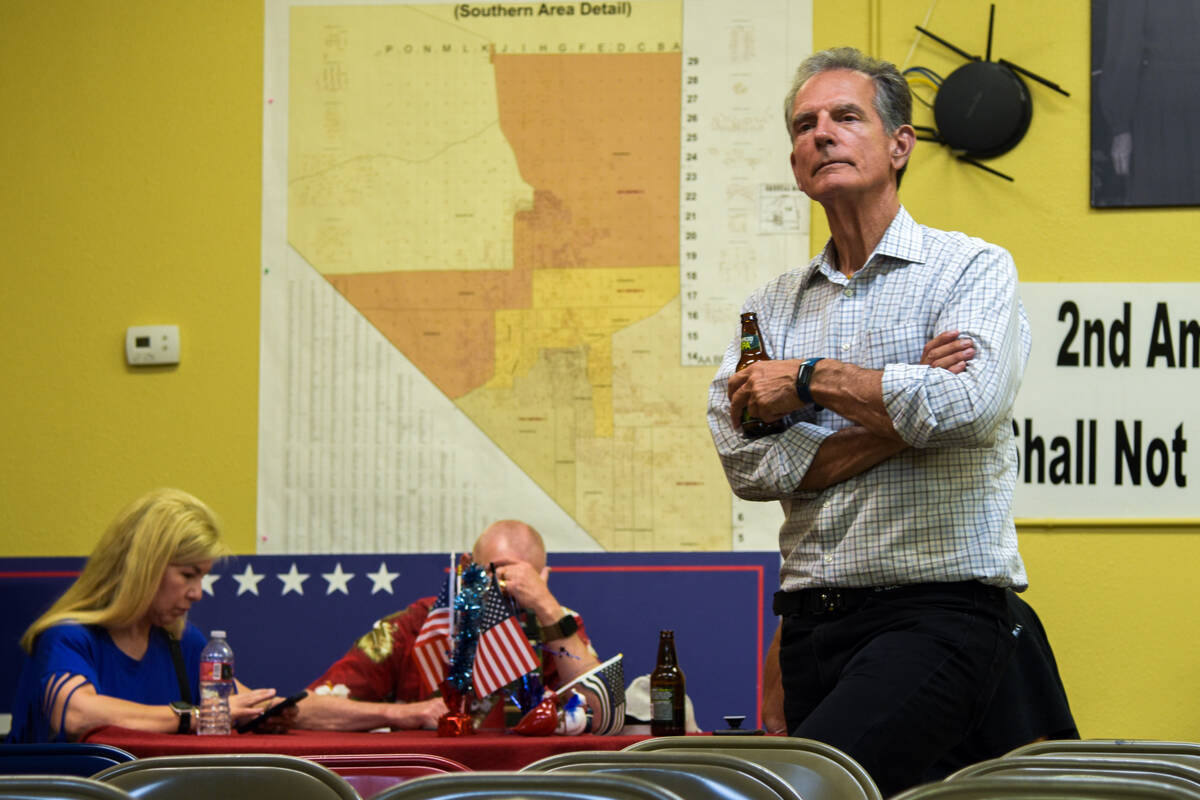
x: 123, y: 573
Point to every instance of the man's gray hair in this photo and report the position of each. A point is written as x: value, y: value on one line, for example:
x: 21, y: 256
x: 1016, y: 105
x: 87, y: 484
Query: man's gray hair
x: 893, y: 100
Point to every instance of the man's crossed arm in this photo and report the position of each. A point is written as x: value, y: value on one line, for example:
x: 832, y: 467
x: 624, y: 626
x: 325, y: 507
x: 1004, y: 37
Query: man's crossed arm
x: 768, y: 390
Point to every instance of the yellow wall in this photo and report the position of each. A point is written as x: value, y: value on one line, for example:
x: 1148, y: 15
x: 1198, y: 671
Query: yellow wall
x: 130, y: 157
x: 130, y: 151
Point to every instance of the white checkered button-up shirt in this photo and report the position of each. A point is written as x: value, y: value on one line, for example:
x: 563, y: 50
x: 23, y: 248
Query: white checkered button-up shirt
x: 942, y: 509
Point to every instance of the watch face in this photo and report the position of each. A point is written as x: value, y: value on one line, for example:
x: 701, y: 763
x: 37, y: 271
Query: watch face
x: 184, y: 712
x: 561, y: 629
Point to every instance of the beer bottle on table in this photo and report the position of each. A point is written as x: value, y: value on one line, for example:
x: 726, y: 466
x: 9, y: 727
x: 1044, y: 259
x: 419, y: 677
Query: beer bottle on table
x: 752, y: 351
x: 667, y: 690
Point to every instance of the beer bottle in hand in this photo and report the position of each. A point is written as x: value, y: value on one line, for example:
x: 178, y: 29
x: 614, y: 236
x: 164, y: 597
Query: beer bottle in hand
x: 752, y: 351
x: 666, y: 690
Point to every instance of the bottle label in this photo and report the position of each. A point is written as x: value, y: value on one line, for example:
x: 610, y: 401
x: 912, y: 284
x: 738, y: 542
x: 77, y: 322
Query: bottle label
x: 662, y: 705
x: 216, y: 671
x: 749, y: 342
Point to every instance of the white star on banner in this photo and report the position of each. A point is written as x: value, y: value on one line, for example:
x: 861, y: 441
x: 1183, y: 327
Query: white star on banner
x: 293, y: 580
x: 337, y: 580
x: 207, y: 583
x: 248, y: 581
x: 382, y: 579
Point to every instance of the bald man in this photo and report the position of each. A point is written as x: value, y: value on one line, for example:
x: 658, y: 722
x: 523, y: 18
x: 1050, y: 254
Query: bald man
x: 376, y: 684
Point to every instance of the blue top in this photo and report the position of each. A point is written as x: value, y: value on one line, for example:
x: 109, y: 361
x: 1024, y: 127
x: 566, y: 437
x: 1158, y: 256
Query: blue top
x: 71, y: 649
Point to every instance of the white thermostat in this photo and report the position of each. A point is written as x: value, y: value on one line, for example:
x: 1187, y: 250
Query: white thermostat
x: 151, y: 345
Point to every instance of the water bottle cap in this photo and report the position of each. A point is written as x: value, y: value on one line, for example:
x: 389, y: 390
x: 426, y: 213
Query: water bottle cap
x: 218, y: 634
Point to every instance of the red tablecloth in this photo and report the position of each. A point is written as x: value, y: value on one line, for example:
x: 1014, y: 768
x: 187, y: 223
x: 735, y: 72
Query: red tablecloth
x: 483, y: 751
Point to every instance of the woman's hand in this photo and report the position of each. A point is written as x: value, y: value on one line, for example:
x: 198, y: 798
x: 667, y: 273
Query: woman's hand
x: 279, y: 722
x: 246, y: 704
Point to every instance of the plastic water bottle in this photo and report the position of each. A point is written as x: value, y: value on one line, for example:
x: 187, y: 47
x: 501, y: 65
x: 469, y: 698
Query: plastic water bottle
x: 216, y: 684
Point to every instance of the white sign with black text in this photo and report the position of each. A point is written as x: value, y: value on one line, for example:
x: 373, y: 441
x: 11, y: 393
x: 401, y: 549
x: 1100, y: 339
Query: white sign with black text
x: 1109, y: 402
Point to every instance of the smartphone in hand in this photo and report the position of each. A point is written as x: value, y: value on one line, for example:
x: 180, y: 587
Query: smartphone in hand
x: 255, y: 723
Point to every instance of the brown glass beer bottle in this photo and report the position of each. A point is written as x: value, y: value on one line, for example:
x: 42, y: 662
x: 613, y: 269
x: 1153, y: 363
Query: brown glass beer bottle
x: 752, y: 351
x: 667, y: 690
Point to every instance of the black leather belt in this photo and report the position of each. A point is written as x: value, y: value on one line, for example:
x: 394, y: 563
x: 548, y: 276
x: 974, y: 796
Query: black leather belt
x: 826, y: 600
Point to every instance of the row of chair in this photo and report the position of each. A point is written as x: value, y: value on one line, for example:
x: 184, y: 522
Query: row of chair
x: 795, y: 769
x: 755, y: 767
x: 669, y: 768
x: 1076, y: 770
x: 367, y: 774
x: 697, y: 768
x: 689, y: 774
x: 693, y: 768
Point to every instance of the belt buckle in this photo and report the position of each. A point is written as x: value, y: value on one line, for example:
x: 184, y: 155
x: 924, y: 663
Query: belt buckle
x: 829, y: 600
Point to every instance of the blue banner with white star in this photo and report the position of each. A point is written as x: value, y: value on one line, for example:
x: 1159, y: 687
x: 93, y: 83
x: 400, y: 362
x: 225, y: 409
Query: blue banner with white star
x: 289, y: 617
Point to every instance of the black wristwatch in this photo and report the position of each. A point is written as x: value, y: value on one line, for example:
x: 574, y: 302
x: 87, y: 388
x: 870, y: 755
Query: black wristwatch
x: 560, y: 630
x: 804, y: 378
x: 186, y: 713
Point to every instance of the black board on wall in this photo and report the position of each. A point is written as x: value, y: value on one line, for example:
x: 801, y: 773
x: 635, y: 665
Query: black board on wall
x: 1145, y: 148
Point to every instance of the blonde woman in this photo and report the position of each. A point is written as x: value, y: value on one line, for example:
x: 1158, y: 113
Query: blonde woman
x: 116, y: 648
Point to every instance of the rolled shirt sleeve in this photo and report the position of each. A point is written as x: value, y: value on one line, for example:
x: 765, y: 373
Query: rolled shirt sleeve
x: 770, y: 467
x: 932, y: 407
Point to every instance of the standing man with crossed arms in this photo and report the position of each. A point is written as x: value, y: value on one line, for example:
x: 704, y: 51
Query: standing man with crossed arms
x: 898, y: 354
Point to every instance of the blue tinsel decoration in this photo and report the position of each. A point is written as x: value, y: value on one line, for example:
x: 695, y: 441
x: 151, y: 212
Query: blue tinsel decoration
x: 468, y: 607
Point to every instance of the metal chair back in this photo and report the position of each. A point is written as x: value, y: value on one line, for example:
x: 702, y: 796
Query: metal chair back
x: 527, y: 786
x: 371, y: 774
x: 57, y: 787
x: 1049, y: 787
x: 229, y: 776
x: 60, y: 758
x: 815, y: 769
x: 695, y: 775
x: 1171, y: 772
x: 1182, y: 752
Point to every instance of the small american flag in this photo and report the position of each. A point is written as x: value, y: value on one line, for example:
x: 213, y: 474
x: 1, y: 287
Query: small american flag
x: 432, y: 646
x: 607, y: 683
x: 503, y: 653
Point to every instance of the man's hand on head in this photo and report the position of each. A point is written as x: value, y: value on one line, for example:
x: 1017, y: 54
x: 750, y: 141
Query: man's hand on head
x: 528, y: 587
x: 767, y: 389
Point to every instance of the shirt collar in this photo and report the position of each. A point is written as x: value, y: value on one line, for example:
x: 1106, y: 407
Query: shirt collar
x: 902, y: 241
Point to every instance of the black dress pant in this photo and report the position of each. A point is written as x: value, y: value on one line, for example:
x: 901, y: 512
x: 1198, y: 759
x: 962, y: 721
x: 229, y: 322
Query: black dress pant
x: 894, y: 677
x: 1030, y: 702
